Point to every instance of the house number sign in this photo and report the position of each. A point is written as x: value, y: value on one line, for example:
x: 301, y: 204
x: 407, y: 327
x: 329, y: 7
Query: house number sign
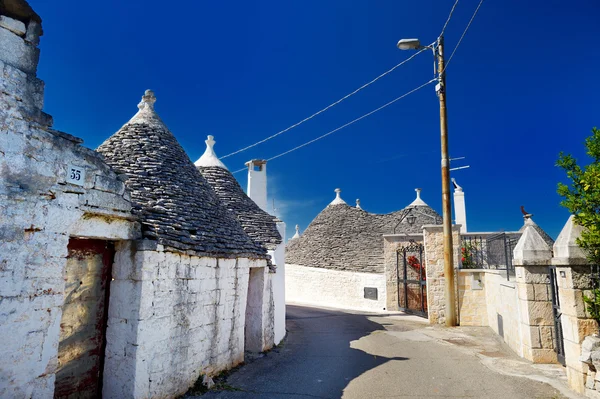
x: 75, y: 175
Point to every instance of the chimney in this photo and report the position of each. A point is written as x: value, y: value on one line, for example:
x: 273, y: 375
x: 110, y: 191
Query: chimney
x: 20, y: 31
x: 257, y: 182
x: 460, y: 211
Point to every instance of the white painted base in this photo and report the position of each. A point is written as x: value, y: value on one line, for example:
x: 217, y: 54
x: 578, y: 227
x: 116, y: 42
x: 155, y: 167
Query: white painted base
x: 333, y: 288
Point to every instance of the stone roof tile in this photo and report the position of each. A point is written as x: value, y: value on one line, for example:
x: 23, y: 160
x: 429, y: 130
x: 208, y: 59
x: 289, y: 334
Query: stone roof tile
x: 343, y: 237
x: 176, y: 206
x: 258, y: 224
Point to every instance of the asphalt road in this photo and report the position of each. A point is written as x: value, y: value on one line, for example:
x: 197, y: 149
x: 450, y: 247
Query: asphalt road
x: 335, y: 354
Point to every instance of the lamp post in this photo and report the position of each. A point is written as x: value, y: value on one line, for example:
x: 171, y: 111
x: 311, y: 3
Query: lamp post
x: 450, y: 297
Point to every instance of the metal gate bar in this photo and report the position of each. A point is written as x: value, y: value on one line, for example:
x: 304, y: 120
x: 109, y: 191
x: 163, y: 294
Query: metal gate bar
x: 559, y: 345
x: 411, y: 256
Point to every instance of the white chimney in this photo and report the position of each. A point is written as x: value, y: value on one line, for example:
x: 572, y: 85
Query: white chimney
x: 460, y: 211
x: 257, y: 182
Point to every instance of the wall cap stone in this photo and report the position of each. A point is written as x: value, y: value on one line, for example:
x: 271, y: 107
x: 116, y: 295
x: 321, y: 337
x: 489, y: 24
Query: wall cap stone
x: 439, y: 227
x: 566, y: 243
x: 531, y: 249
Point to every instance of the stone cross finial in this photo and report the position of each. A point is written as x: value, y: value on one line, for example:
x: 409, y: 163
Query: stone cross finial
x: 148, y: 100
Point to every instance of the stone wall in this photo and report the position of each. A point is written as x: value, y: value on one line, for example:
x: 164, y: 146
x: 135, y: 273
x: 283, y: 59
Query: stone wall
x: 472, y: 289
x: 486, y: 298
x: 433, y: 239
x: 173, y: 317
x: 535, y: 309
x: 574, y: 282
x: 43, y: 202
x: 334, y: 288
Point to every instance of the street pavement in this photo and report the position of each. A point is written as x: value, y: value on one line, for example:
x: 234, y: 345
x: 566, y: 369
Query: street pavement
x: 341, y: 354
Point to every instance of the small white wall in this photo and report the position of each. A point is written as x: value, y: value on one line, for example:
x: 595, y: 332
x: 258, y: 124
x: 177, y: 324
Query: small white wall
x: 171, y: 318
x: 278, y: 256
x: 333, y: 288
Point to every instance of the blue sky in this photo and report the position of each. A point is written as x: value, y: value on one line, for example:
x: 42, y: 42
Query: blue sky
x: 522, y: 87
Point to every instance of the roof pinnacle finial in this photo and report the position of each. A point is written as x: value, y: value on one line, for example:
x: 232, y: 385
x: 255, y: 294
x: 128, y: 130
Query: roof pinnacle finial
x: 297, y: 235
x: 209, y: 158
x: 148, y: 100
x: 418, y: 201
x: 210, y: 142
x: 358, y: 204
x: 338, y: 199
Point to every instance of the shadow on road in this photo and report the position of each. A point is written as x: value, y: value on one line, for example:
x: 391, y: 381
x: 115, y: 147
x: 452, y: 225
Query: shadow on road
x: 315, y: 361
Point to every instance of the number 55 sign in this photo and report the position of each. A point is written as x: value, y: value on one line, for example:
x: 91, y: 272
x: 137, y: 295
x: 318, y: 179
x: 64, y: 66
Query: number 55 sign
x: 75, y: 175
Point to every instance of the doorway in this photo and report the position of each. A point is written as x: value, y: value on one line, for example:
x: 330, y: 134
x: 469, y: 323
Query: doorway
x: 84, y: 317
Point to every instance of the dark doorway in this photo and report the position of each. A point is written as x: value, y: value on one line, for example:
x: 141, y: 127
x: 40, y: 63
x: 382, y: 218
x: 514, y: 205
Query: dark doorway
x: 83, y: 324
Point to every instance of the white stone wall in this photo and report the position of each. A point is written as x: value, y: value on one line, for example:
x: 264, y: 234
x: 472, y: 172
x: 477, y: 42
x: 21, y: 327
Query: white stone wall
x: 333, y: 288
x: 278, y: 257
x: 172, y: 317
x: 39, y: 211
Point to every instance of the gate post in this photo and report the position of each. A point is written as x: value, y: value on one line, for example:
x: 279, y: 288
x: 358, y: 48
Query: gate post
x: 532, y: 257
x: 574, y: 277
x: 433, y: 241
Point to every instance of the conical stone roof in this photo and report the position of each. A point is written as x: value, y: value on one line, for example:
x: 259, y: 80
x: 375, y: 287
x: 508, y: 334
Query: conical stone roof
x: 175, y: 204
x: 344, y: 237
x: 258, y: 224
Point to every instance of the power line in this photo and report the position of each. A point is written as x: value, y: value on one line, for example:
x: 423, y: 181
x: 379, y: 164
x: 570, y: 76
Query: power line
x: 326, y: 108
x: 347, y: 124
x: 463, y: 35
x: 449, y: 17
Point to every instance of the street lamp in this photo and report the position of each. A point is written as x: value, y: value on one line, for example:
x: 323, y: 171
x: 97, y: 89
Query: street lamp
x: 414, y: 44
x: 409, y: 44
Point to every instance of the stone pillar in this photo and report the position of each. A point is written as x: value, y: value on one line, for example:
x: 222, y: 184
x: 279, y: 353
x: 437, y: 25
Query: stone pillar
x: 531, y: 259
x: 574, y: 279
x: 433, y: 240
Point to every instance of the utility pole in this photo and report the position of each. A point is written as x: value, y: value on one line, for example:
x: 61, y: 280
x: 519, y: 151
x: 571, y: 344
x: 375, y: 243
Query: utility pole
x: 450, y: 289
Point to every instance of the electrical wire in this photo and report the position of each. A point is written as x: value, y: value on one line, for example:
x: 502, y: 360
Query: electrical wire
x: 326, y: 108
x: 449, y: 17
x: 347, y: 124
x: 463, y: 35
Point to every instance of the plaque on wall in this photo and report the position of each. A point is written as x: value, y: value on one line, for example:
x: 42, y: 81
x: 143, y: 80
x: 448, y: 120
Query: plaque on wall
x: 371, y: 293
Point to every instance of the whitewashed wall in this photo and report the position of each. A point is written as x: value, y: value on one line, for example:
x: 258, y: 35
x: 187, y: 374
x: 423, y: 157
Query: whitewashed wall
x: 278, y: 257
x: 40, y: 208
x: 172, y: 317
x: 333, y: 288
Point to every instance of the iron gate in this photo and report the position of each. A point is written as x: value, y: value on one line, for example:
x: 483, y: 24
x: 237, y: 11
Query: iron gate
x: 412, y: 284
x: 559, y: 345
